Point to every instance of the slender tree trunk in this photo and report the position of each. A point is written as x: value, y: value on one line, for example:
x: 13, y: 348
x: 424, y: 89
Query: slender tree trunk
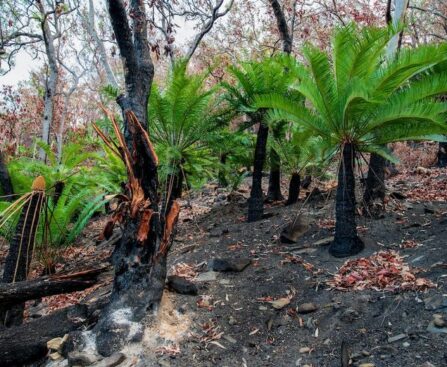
x: 294, y: 188
x: 346, y: 242
x: 256, y: 200
x: 274, y: 188
x: 18, y: 261
x: 51, y: 84
x: 5, y: 180
x: 306, y: 182
x: 223, y: 182
x: 442, y: 155
x: 375, y: 181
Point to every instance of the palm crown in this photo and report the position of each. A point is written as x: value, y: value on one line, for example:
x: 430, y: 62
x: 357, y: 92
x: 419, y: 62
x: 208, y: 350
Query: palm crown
x: 355, y: 95
x: 357, y: 99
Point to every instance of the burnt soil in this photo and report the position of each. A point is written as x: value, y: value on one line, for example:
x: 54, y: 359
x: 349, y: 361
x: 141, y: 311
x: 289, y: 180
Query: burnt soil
x: 236, y: 329
x: 256, y: 334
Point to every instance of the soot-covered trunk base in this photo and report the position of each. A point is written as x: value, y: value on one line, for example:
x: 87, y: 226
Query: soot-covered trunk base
x: 346, y: 241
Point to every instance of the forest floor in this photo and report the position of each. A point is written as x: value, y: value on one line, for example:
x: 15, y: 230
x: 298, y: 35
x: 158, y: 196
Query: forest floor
x: 291, y: 306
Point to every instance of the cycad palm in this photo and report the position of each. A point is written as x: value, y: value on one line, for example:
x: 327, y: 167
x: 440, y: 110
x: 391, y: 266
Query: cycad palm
x: 253, y: 80
x: 181, y: 116
x: 360, y: 101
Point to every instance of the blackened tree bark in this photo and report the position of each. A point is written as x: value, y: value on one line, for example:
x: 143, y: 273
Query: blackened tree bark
x: 223, y: 182
x: 5, y: 180
x: 140, y: 257
x: 375, y: 181
x: 346, y: 241
x: 256, y: 200
x: 294, y: 188
x: 274, y: 188
x: 442, y: 155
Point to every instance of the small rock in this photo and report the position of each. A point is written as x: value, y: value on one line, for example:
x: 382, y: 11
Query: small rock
x: 164, y: 363
x: 263, y: 308
x: 230, y: 339
x: 427, y: 364
x: 349, y: 315
x: 224, y: 265
x: 435, y: 302
x: 81, y: 359
x: 56, y: 343
x: 438, y: 320
x: 208, y: 276
x: 232, y: 320
x: 432, y: 328
x: 396, y: 338
x: 293, y: 231
x: 181, y: 285
x: 112, y: 361
x: 304, y: 350
x: 55, y: 356
x: 367, y: 365
x: 405, y: 344
x: 307, y: 308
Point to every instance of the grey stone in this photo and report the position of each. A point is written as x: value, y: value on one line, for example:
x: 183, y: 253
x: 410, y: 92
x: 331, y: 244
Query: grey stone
x: 81, y: 359
x: 230, y: 339
x: 307, y: 308
x: 112, y: 361
x: 208, y: 276
x: 432, y: 328
x: 181, y: 285
x: 225, y: 265
x: 396, y: 338
x: 435, y: 302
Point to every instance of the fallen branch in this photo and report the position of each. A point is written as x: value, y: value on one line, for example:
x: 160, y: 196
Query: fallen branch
x: 28, y: 342
x: 16, y: 293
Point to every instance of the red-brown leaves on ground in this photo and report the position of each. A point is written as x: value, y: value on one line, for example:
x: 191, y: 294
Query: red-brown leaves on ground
x: 384, y: 270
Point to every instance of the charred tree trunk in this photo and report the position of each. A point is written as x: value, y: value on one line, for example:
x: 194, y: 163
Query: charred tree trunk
x: 27, y: 343
x: 442, y: 155
x: 346, y: 241
x: 294, y: 188
x: 5, y: 180
x: 18, y: 292
x: 18, y: 261
x: 140, y: 257
x: 306, y: 182
x: 223, y: 182
x: 256, y: 200
x: 274, y: 188
x: 375, y: 181
x: 58, y: 189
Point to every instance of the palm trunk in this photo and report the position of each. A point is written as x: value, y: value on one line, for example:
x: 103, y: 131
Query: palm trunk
x: 274, y: 189
x: 346, y: 242
x: 375, y: 181
x: 442, y: 155
x: 256, y: 200
x: 294, y: 188
x: 18, y: 261
x: 5, y: 180
x: 223, y: 182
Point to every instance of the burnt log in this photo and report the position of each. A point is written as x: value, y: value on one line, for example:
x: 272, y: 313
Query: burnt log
x: 28, y: 342
x: 16, y: 293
